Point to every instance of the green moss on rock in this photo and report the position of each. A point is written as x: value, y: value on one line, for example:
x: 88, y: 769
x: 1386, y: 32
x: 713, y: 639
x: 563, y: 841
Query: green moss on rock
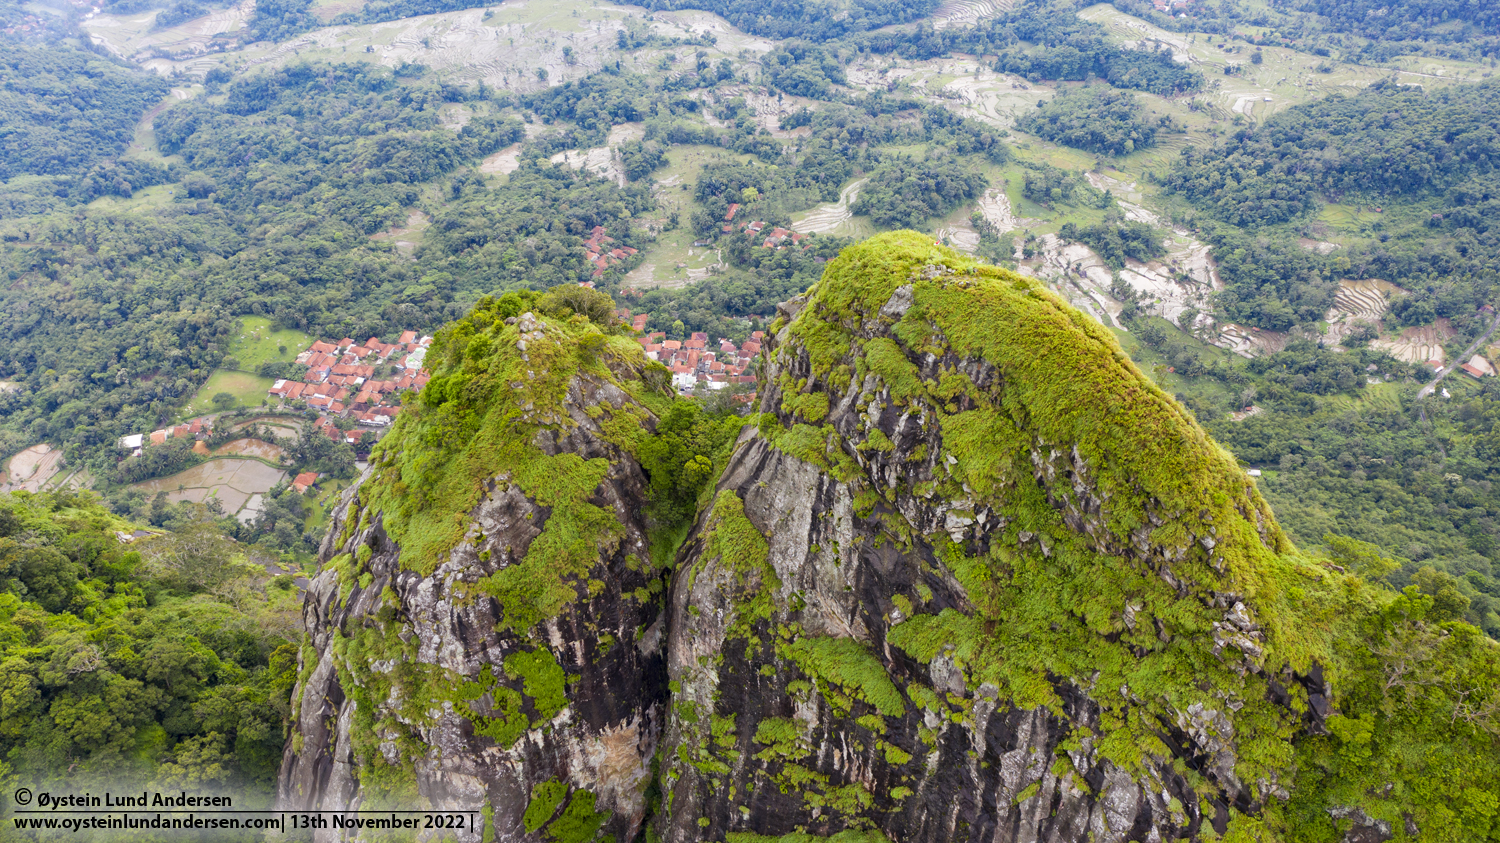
x: 849, y: 666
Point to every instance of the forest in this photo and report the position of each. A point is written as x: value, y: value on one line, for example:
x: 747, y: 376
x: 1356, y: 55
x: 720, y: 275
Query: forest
x: 287, y: 178
x: 1411, y: 20
x: 905, y: 193
x: 1418, y: 480
x: 154, y: 642
x: 1382, y: 475
x: 167, y: 662
x: 1116, y: 239
x: 64, y: 111
x: 1095, y: 118
x: 1387, y: 140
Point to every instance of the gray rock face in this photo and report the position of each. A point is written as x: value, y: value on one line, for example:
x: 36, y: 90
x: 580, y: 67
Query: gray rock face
x: 416, y: 690
x: 798, y: 713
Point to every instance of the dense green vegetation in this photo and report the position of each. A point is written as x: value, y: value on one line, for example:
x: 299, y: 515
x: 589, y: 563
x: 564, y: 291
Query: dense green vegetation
x: 1095, y: 118
x: 167, y: 662
x: 1427, y: 491
x: 904, y: 193
x: 1046, y: 184
x: 1346, y: 457
x: 63, y: 112
x: 115, y: 313
x: 1271, y: 281
x: 466, y: 428
x: 1385, y: 141
x: 1448, y: 20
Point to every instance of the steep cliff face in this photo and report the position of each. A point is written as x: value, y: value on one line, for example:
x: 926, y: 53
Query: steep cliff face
x: 967, y: 575
x: 973, y: 577
x: 486, y: 632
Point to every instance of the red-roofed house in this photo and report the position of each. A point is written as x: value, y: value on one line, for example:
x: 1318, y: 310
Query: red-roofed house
x: 304, y: 482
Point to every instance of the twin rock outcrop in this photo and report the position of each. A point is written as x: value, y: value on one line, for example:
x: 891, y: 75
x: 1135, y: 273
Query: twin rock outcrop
x: 968, y: 575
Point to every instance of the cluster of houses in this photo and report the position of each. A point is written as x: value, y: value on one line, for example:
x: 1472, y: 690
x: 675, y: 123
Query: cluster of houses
x: 363, y: 381
x: 693, y: 361
x: 775, y: 238
x: 29, y: 25
x: 600, y: 254
x: 197, y: 430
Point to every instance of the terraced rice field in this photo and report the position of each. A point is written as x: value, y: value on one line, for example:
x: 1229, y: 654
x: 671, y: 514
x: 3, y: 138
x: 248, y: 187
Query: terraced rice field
x: 251, y: 448
x: 958, y: 13
x: 837, y: 218
x: 1418, y: 345
x: 995, y: 206
x: 232, y: 481
x: 1367, y: 299
x: 675, y: 262
x: 502, y: 163
x: 194, y: 41
x: 31, y: 469
x: 959, y: 234
x: 278, y: 427
x: 505, y: 46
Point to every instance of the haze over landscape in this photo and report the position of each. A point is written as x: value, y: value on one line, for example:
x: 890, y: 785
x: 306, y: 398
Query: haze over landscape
x: 706, y: 420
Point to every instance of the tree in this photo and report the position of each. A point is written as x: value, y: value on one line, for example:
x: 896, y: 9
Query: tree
x: 223, y: 401
x: 1448, y: 602
x: 1361, y: 558
x: 196, y: 558
x: 567, y: 299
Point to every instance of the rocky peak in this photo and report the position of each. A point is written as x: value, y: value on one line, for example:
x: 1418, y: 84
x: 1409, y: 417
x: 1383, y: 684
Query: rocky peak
x: 485, y: 634
x: 987, y: 582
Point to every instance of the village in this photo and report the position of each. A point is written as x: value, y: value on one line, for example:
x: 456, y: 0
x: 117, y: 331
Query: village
x: 692, y: 361
x: 360, y: 381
